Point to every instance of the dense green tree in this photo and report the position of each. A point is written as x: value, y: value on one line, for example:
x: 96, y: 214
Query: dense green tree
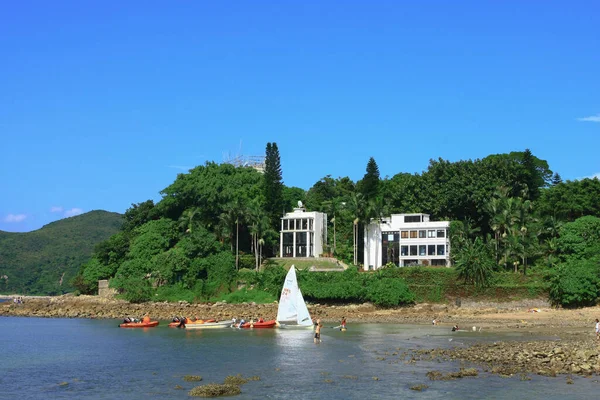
x: 273, y: 186
x: 291, y: 196
x: 576, y: 283
x: 138, y: 214
x: 369, y: 185
x: 580, y: 239
x: 571, y: 199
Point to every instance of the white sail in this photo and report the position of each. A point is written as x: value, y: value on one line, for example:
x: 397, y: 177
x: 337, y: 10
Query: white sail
x: 304, y: 318
x: 292, y: 309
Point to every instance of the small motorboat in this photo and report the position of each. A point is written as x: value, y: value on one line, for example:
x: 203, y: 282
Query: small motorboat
x: 257, y: 324
x: 209, y: 325
x: 200, y: 321
x: 150, y: 324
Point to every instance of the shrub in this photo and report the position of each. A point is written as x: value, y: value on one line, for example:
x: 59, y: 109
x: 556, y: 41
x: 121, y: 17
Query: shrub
x: 246, y: 296
x: 575, y: 283
x: 389, y: 292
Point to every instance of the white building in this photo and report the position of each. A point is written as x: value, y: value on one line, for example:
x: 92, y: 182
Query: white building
x: 303, y: 234
x: 406, y: 240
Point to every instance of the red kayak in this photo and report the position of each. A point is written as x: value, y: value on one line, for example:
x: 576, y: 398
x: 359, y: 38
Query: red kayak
x: 176, y: 324
x: 150, y: 324
x: 264, y: 324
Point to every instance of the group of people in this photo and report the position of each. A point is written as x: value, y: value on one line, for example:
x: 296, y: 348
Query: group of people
x: 18, y: 300
x: 437, y: 321
x: 239, y: 324
x: 144, y: 320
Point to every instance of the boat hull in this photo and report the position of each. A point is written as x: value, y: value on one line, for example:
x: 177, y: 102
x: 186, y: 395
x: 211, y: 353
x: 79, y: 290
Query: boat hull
x: 150, y: 324
x: 176, y: 324
x: 209, y: 325
x: 260, y: 325
x: 296, y: 327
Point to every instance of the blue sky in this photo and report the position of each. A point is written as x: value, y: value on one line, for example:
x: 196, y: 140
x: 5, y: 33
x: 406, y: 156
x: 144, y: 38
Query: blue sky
x: 103, y: 102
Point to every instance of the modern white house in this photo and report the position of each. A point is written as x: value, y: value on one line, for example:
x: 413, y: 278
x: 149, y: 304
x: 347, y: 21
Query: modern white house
x: 406, y: 240
x: 303, y: 233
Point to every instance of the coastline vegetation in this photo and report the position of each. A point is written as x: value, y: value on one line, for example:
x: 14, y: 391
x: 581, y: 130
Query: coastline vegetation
x: 517, y: 231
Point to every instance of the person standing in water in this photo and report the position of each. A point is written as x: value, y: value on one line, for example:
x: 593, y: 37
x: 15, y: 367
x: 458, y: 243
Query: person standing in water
x: 318, y: 327
x: 343, y: 325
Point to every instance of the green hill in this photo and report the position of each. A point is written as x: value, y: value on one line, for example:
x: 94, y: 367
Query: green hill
x: 44, y: 261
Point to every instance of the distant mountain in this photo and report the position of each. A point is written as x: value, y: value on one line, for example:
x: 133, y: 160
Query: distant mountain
x: 44, y: 261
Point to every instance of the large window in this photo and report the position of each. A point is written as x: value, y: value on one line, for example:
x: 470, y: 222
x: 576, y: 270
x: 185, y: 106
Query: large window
x: 298, y: 224
x: 412, y: 218
x: 304, y: 224
x: 438, y: 262
x: 431, y: 233
x: 291, y: 227
x: 310, y: 224
x: 441, y: 233
x: 404, y: 251
x: 413, y: 234
x: 288, y: 244
x: 441, y: 249
x: 285, y: 225
x: 404, y: 234
x: 431, y: 250
x: 413, y: 250
x: 422, y: 234
x: 301, y: 248
x: 422, y: 250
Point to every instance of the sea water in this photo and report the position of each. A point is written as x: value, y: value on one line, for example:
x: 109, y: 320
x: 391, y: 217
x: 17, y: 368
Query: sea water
x: 94, y: 359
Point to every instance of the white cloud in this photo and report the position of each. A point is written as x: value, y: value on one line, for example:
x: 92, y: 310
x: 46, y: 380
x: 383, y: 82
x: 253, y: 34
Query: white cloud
x: 73, y: 211
x: 181, y: 167
x: 591, y: 118
x: 56, y: 209
x: 596, y: 175
x: 15, y: 218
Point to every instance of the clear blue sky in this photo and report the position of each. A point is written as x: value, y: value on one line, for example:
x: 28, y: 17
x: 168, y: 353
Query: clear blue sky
x: 102, y: 102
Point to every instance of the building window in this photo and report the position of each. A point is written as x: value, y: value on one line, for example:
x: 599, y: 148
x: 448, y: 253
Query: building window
x: 422, y: 250
x: 285, y: 224
x: 431, y: 250
x: 413, y: 234
x: 412, y: 218
x: 440, y: 249
x: 404, y: 234
x: 422, y: 234
x: 304, y: 224
x: 413, y: 250
x: 288, y: 244
x: 298, y: 224
x: 411, y: 263
x: 310, y: 225
x: 404, y: 251
x: 438, y: 262
x: 301, y: 244
x: 431, y: 234
x: 291, y: 227
x: 441, y: 233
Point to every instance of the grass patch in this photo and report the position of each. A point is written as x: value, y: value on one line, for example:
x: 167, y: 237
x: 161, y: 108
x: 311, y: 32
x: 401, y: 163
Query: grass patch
x: 246, y: 296
x: 174, y: 293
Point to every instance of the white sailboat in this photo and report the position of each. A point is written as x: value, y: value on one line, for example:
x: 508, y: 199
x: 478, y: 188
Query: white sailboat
x: 292, y: 312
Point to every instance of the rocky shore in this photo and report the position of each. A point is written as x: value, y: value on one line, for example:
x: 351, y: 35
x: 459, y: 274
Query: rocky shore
x: 572, y: 350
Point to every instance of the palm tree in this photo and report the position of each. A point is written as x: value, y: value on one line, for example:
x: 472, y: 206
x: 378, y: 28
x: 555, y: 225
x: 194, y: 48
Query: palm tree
x: 235, y: 213
x: 259, y: 224
x: 186, y: 221
x: 357, y: 206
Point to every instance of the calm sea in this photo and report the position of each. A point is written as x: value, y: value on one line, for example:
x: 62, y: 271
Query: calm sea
x: 94, y: 359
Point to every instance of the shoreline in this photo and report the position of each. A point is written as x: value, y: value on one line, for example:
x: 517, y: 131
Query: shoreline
x: 573, y: 348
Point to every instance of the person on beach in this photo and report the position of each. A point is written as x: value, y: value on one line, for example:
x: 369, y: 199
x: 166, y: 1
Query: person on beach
x: 597, y: 329
x: 454, y: 328
x: 318, y: 327
x: 343, y: 325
